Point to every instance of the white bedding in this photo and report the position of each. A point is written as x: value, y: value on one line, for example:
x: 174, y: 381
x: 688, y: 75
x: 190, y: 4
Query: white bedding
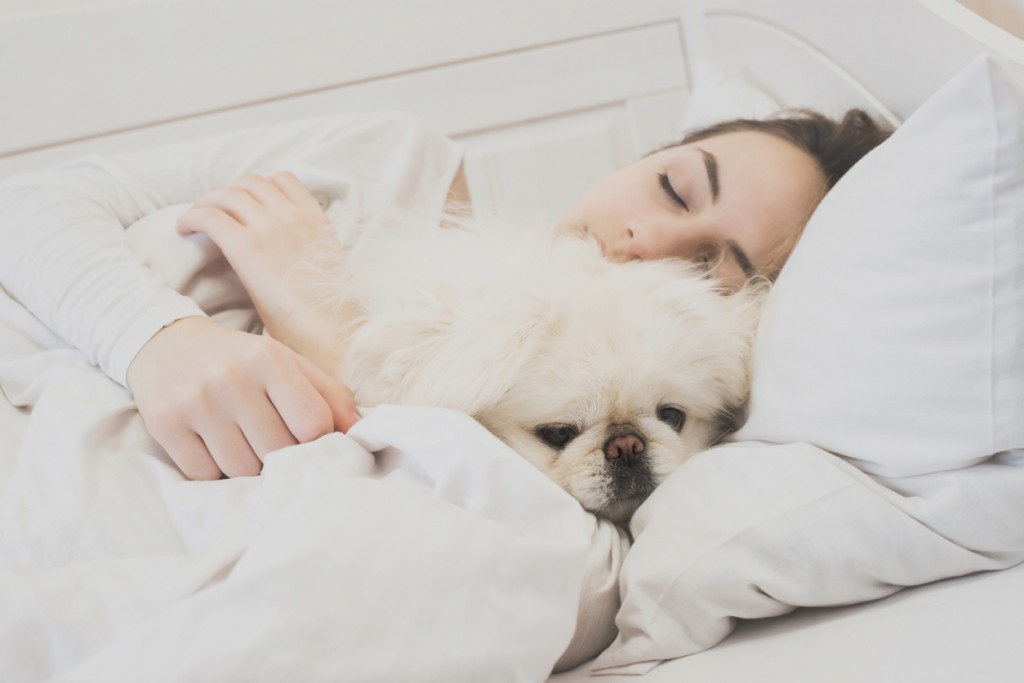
x: 446, y: 557
x: 952, y: 631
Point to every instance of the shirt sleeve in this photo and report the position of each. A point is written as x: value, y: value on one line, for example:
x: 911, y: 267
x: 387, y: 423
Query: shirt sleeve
x: 65, y: 256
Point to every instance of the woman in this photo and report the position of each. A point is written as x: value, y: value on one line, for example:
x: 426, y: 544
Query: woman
x: 734, y: 196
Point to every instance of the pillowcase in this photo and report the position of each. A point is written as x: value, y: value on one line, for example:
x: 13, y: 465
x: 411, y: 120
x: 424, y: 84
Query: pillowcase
x: 894, y: 338
x: 754, y: 530
x: 895, y: 334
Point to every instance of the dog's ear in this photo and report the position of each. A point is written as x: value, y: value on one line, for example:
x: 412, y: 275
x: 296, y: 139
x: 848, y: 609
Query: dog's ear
x: 727, y: 421
x: 465, y: 358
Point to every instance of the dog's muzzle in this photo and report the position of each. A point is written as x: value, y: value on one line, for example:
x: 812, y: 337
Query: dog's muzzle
x: 628, y: 447
x: 625, y: 453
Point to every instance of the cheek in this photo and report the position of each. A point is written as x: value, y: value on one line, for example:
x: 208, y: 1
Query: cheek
x: 592, y: 207
x: 578, y: 462
x: 670, y: 449
x: 609, y: 200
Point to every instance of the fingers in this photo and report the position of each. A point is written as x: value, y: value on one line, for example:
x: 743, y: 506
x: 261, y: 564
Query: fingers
x: 243, y: 205
x: 231, y: 451
x: 228, y: 443
x: 304, y: 411
x: 276, y: 215
x: 235, y: 201
x: 251, y: 395
x: 311, y: 402
x: 271, y: 399
x: 184, y: 446
x: 263, y: 427
x: 339, y: 398
x: 266, y: 192
x: 221, y: 450
x: 222, y: 229
x: 210, y: 220
x: 204, y: 443
x: 248, y: 200
x: 294, y: 190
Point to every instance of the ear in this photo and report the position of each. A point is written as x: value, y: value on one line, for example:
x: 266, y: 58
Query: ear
x: 463, y: 358
x: 727, y: 421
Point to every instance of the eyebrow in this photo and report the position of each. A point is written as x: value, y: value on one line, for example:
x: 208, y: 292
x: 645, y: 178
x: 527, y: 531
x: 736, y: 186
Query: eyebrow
x: 711, y: 166
x: 741, y: 258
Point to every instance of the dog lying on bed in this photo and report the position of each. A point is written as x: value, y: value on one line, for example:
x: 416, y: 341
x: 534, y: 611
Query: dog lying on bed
x: 605, y: 376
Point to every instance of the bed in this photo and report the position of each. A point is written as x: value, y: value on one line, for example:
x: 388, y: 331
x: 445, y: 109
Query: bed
x: 113, y: 569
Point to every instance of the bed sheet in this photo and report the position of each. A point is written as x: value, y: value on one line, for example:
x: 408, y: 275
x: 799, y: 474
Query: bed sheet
x: 963, y: 629
x: 417, y: 547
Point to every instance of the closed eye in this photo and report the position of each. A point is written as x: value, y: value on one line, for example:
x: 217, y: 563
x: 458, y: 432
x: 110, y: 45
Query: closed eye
x: 670, y: 191
x: 709, y: 258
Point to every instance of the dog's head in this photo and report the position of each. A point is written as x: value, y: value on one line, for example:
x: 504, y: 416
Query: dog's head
x: 637, y: 367
x: 605, y: 376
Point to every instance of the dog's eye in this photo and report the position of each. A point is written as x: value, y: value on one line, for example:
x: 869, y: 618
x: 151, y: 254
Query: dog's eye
x: 673, y: 417
x: 557, y: 435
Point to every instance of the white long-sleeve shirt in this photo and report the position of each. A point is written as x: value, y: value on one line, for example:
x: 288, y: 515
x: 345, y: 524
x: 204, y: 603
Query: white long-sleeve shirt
x: 64, y: 252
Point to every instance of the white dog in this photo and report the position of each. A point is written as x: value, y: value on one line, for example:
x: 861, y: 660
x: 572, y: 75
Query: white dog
x: 605, y: 376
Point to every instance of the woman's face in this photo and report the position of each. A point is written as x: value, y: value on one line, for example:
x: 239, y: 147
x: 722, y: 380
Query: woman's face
x: 731, y: 201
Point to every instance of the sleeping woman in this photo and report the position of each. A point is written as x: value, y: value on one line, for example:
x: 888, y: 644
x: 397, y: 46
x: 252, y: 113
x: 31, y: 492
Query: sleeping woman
x: 733, y: 197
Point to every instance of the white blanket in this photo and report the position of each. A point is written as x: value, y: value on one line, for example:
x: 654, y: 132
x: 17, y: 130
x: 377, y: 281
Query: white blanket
x: 445, y: 556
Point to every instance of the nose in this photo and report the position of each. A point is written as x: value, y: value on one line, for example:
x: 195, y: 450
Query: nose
x: 670, y: 237
x: 625, y: 446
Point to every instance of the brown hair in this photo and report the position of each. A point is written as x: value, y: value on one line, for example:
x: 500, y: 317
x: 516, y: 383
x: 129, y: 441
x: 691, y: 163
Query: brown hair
x: 834, y: 144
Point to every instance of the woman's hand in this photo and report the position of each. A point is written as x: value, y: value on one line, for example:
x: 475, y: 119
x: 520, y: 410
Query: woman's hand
x: 218, y: 400
x: 264, y: 226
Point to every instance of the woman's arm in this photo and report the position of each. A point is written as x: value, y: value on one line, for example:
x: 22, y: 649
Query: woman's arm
x: 265, y: 227
x: 66, y: 259
x: 65, y: 256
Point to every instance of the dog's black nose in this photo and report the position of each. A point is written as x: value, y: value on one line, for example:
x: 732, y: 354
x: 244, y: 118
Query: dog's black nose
x: 624, y: 446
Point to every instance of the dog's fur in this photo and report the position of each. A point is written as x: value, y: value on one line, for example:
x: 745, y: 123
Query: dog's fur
x: 523, y: 329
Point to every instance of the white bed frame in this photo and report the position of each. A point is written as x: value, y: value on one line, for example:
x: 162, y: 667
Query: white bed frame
x: 549, y: 96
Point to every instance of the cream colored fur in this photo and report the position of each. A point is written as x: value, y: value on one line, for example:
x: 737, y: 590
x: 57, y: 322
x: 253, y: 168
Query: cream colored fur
x: 521, y: 328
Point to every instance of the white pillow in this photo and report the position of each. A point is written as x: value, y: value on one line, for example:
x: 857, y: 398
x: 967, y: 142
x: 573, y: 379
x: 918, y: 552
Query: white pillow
x: 895, y: 334
x: 754, y: 530
x: 894, y: 337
